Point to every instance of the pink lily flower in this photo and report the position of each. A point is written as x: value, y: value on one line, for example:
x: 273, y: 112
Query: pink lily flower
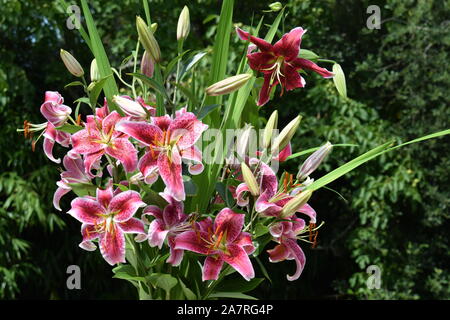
x: 75, y: 174
x: 101, y: 137
x: 51, y: 135
x: 272, y: 199
x: 168, y: 223
x: 107, y: 217
x: 280, y: 62
x: 221, y: 241
x: 168, y: 141
x: 285, y: 234
x: 53, y: 109
x: 137, y: 109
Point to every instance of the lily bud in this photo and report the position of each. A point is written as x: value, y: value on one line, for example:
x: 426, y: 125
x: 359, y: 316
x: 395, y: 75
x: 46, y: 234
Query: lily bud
x: 153, y: 27
x: 268, y: 130
x: 95, y: 74
x: 184, y: 24
x: 250, y: 179
x: 147, y: 65
x: 129, y: 107
x: 313, y: 161
x: 147, y: 39
x: 295, y: 203
x: 285, y: 135
x: 228, y: 85
x: 71, y: 63
x: 91, y: 86
x: 243, y: 139
x: 275, y: 6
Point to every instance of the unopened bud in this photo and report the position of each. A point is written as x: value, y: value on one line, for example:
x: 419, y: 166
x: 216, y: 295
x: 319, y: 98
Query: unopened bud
x: 268, y: 130
x: 249, y: 179
x: 154, y: 27
x: 71, y: 63
x: 293, y: 205
x: 130, y: 107
x: 275, y: 6
x: 95, y: 74
x: 91, y: 86
x: 313, y: 161
x: 184, y: 24
x: 243, y: 140
x: 147, y: 39
x: 228, y: 85
x: 285, y: 135
x: 147, y: 65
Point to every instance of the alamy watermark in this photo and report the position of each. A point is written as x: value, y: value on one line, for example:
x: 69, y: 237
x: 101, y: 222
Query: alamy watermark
x: 73, y: 21
x: 374, y: 20
x: 74, y: 280
x: 374, y: 280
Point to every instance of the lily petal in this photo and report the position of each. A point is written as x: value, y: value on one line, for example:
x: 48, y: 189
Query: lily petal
x: 263, y: 45
x: 239, y: 260
x: 88, y: 233
x: 309, y: 65
x: 195, y: 155
x: 125, y: 204
x: 86, y: 210
x: 192, y: 241
x: 170, y: 172
x: 211, y: 268
x: 144, y: 132
x: 229, y: 222
x: 148, y: 165
x: 187, y: 129
x: 112, y: 245
x: 176, y: 255
x: 289, y: 45
x: 298, y: 255
x: 123, y: 150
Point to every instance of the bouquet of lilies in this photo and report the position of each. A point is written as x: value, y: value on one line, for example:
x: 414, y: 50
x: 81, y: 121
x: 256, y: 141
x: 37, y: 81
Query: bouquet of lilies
x: 173, y: 187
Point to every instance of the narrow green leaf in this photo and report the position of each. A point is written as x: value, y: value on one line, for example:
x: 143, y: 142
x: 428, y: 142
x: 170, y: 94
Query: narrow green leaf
x: 150, y: 82
x: 308, y: 54
x: 204, y: 111
x: 74, y: 83
x: 236, y: 295
x: 96, y: 90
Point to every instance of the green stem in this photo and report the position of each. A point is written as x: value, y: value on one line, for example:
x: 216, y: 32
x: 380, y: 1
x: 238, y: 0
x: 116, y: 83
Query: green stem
x: 216, y: 282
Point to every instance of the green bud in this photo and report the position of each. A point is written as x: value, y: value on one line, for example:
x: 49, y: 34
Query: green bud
x: 285, y: 135
x: 184, y: 24
x: 71, y: 63
x: 275, y: 6
x: 95, y: 74
x: 250, y: 179
x: 268, y: 130
x: 147, y: 39
x: 228, y: 85
x: 295, y: 203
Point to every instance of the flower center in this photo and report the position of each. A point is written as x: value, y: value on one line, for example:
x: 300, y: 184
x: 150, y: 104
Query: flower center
x: 276, y: 70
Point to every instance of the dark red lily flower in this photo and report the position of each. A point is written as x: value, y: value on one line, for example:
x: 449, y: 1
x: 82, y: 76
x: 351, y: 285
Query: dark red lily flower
x: 280, y: 62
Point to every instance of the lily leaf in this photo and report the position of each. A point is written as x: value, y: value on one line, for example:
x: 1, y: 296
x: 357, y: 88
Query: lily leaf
x: 339, y: 80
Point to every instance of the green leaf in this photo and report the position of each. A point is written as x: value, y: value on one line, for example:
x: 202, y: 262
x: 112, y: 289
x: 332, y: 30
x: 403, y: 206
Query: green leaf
x: 103, y: 65
x: 96, y: 90
x: 69, y: 128
x: 191, y: 63
x: 188, y: 93
x: 236, y: 295
x: 187, y: 292
x: 204, y: 111
x: 311, y: 150
x: 225, y: 194
x: 152, y: 83
x: 239, y: 285
x: 308, y: 54
x: 339, y: 80
x: 74, y: 83
x: 172, y: 64
x: 260, y: 230
x: 189, y: 186
x: 126, y: 272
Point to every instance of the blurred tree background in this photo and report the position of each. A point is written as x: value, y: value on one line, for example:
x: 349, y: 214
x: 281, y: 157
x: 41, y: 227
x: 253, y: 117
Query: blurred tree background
x: 393, y: 212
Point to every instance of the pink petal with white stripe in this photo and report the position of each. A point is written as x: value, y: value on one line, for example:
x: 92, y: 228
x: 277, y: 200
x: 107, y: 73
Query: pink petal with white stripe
x: 112, y: 245
x: 239, y: 260
x: 125, y: 205
x: 86, y: 210
x: 211, y: 268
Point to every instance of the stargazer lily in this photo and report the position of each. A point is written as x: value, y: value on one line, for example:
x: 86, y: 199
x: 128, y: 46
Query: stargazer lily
x: 168, y: 141
x: 285, y: 234
x: 107, y: 217
x: 221, y: 241
x: 272, y: 199
x: 280, y: 62
x: 101, y: 137
x: 168, y: 223
x: 75, y: 174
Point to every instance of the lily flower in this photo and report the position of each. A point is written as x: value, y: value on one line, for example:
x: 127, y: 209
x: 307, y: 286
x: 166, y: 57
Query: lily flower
x: 51, y: 135
x: 280, y: 62
x: 168, y: 141
x: 168, y: 223
x: 221, y: 241
x: 101, y: 137
x: 54, y: 110
x: 272, y: 198
x: 75, y: 174
x: 285, y: 234
x: 107, y: 217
